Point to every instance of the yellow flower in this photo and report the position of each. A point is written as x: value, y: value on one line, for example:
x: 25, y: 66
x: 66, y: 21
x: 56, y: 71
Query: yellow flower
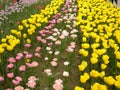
x: 82, y: 66
x: 9, y: 48
x: 1, y: 49
x: 94, y: 73
x: 20, y: 27
x: 105, y: 59
x: 103, y: 66
x: 93, y: 60
x: 3, y: 40
x: 102, y: 74
x: 109, y: 80
x: 85, y: 45
x: 117, y: 84
x: 28, y: 41
x: 84, y: 39
x: 98, y: 86
x: 24, y: 35
x: 84, y: 78
x: 78, y: 88
x: 117, y: 54
x: 118, y: 78
x: 118, y: 64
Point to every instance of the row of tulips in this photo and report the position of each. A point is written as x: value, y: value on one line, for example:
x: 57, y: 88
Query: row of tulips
x: 14, y: 7
x: 43, y: 54
x: 17, y: 68
x: 28, y: 27
x: 99, y: 34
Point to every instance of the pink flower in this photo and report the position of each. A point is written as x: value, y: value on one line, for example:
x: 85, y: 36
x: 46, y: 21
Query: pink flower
x: 38, y: 38
x: 18, y: 58
x: 18, y: 78
x: 43, y: 41
x: 9, y: 66
x: 31, y: 84
x: 15, y: 82
x: 53, y: 63
x: 12, y: 60
x: 37, y: 55
x: 57, y: 52
x: 58, y: 81
x: 58, y: 86
x: 55, y: 59
x: 10, y: 75
x: 48, y: 72
x: 20, y: 54
x: 32, y: 78
x: 34, y: 64
x: 50, y: 44
x: 25, y: 52
x: 61, y: 37
x: 28, y: 64
x: 22, y: 68
x: 65, y: 74
x: 27, y: 45
x: 38, y: 49
x: 19, y: 88
x: 1, y: 79
x: 58, y: 42
x: 29, y: 56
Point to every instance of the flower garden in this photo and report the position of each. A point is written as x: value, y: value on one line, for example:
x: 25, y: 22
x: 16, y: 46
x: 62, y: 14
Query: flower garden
x: 59, y: 45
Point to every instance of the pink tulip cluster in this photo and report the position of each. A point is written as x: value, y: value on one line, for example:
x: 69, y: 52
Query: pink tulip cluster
x: 58, y: 85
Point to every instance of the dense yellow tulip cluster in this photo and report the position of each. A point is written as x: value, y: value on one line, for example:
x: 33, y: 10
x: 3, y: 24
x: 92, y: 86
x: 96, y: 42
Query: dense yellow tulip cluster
x: 98, y: 22
x: 29, y: 26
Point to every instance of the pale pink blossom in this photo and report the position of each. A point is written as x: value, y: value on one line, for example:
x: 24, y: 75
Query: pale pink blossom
x: 32, y: 78
x: 38, y: 38
x: 34, y: 64
x: 38, y: 49
x: 57, y: 53
x: 18, y: 78
x: 55, y: 59
x: 27, y: 45
x: 48, y: 72
x: 48, y: 48
x: 1, y: 79
x: 22, y: 68
x: 28, y: 64
x: 31, y: 84
x: 65, y: 74
x: 66, y: 63
x: 59, y: 81
x: 9, y: 89
x: 50, y: 52
x: 43, y: 41
x: 18, y: 57
x: 10, y: 75
x: 28, y: 55
x: 46, y: 58
x: 58, y: 42
x: 62, y: 37
x: 9, y: 66
x: 25, y: 52
x: 19, y: 88
x: 15, y: 82
x: 12, y: 60
x: 53, y: 63
x: 37, y: 54
x: 20, y: 54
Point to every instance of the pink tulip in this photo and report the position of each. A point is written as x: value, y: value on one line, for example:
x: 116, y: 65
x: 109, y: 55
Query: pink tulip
x: 19, y: 88
x: 38, y: 49
x: 15, y: 82
x: 34, y: 64
x: 18, y: 78
x: 32, y: 78
x: 37, y: 55
x: 53, y: 63
x: 27, y: 45
x: 9, y: 66
x: 12, y: 60
x: 1, y: 79
x: 31, y: 84
x: 22, y: 68
x: 10, y: 75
